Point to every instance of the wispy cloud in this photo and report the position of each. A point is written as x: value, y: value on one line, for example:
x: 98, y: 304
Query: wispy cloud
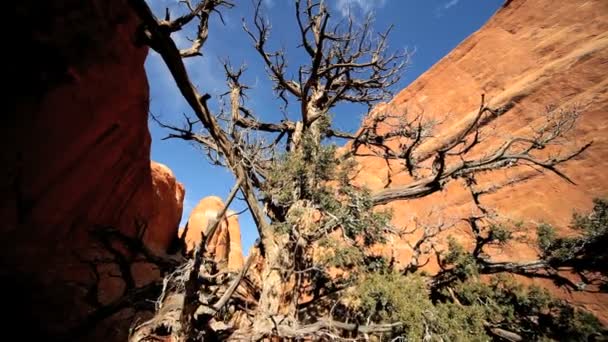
x: 450, y: 3
x: 439, y: 11
x: 347, y: 7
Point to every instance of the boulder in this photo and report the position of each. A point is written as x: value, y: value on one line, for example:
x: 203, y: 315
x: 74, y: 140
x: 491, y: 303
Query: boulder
x: 168, y: 199
x: 225, y: 244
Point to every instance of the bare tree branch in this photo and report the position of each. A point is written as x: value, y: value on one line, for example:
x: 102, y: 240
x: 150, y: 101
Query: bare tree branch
x: 202, y: 11
x: 277, y: 67
x: 515, y: 151
x: 191, y: 286
x: 170, y: 54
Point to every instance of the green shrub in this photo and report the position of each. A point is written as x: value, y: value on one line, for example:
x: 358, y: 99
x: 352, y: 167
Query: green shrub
x: 585, y: 251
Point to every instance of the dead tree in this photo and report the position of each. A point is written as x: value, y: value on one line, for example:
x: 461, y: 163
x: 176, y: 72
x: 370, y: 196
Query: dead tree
x: 346, y: 62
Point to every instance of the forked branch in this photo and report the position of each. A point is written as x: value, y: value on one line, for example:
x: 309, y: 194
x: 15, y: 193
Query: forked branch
x: 512, y: 152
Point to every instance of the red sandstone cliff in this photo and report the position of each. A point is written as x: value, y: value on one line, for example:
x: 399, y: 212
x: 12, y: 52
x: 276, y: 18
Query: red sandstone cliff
x: 531, y: 53
x: 77, y: 173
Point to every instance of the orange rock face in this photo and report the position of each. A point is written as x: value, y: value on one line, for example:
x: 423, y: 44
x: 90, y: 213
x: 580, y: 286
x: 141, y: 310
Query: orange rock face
x: 225, y: 244
x: 168, y: 199
x: 75, y: 168
x: 532, y: 53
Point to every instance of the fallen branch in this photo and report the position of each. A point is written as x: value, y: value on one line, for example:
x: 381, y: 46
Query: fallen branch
x: 235, y: 283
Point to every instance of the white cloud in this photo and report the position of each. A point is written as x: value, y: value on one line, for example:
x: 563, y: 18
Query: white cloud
x: 269, y: 3
x: 439, y: 11
x: 347, y: 7
x: 450, y: 3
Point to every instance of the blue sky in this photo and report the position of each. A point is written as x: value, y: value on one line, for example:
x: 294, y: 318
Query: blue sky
x: 432, y: 28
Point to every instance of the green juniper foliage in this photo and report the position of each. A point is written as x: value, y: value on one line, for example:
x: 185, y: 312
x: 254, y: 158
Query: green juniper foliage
x: 312, y: 186
x: 393, y: 297
x: 464, y: 264
x: 467, y: 309
x: 316, y: 176
x: 586, y: 250
x: 499, y: 233
x: 470, y: 307
x: 529, y: 311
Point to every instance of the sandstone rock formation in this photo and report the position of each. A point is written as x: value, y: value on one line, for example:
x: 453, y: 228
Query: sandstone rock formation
x: 77, y: 177
x: 167, y: 200
x: 225, y: 244
x: 532, y: 53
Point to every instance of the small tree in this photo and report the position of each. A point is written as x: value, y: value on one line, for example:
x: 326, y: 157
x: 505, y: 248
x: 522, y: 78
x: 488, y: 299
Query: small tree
x: 315, y: 225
